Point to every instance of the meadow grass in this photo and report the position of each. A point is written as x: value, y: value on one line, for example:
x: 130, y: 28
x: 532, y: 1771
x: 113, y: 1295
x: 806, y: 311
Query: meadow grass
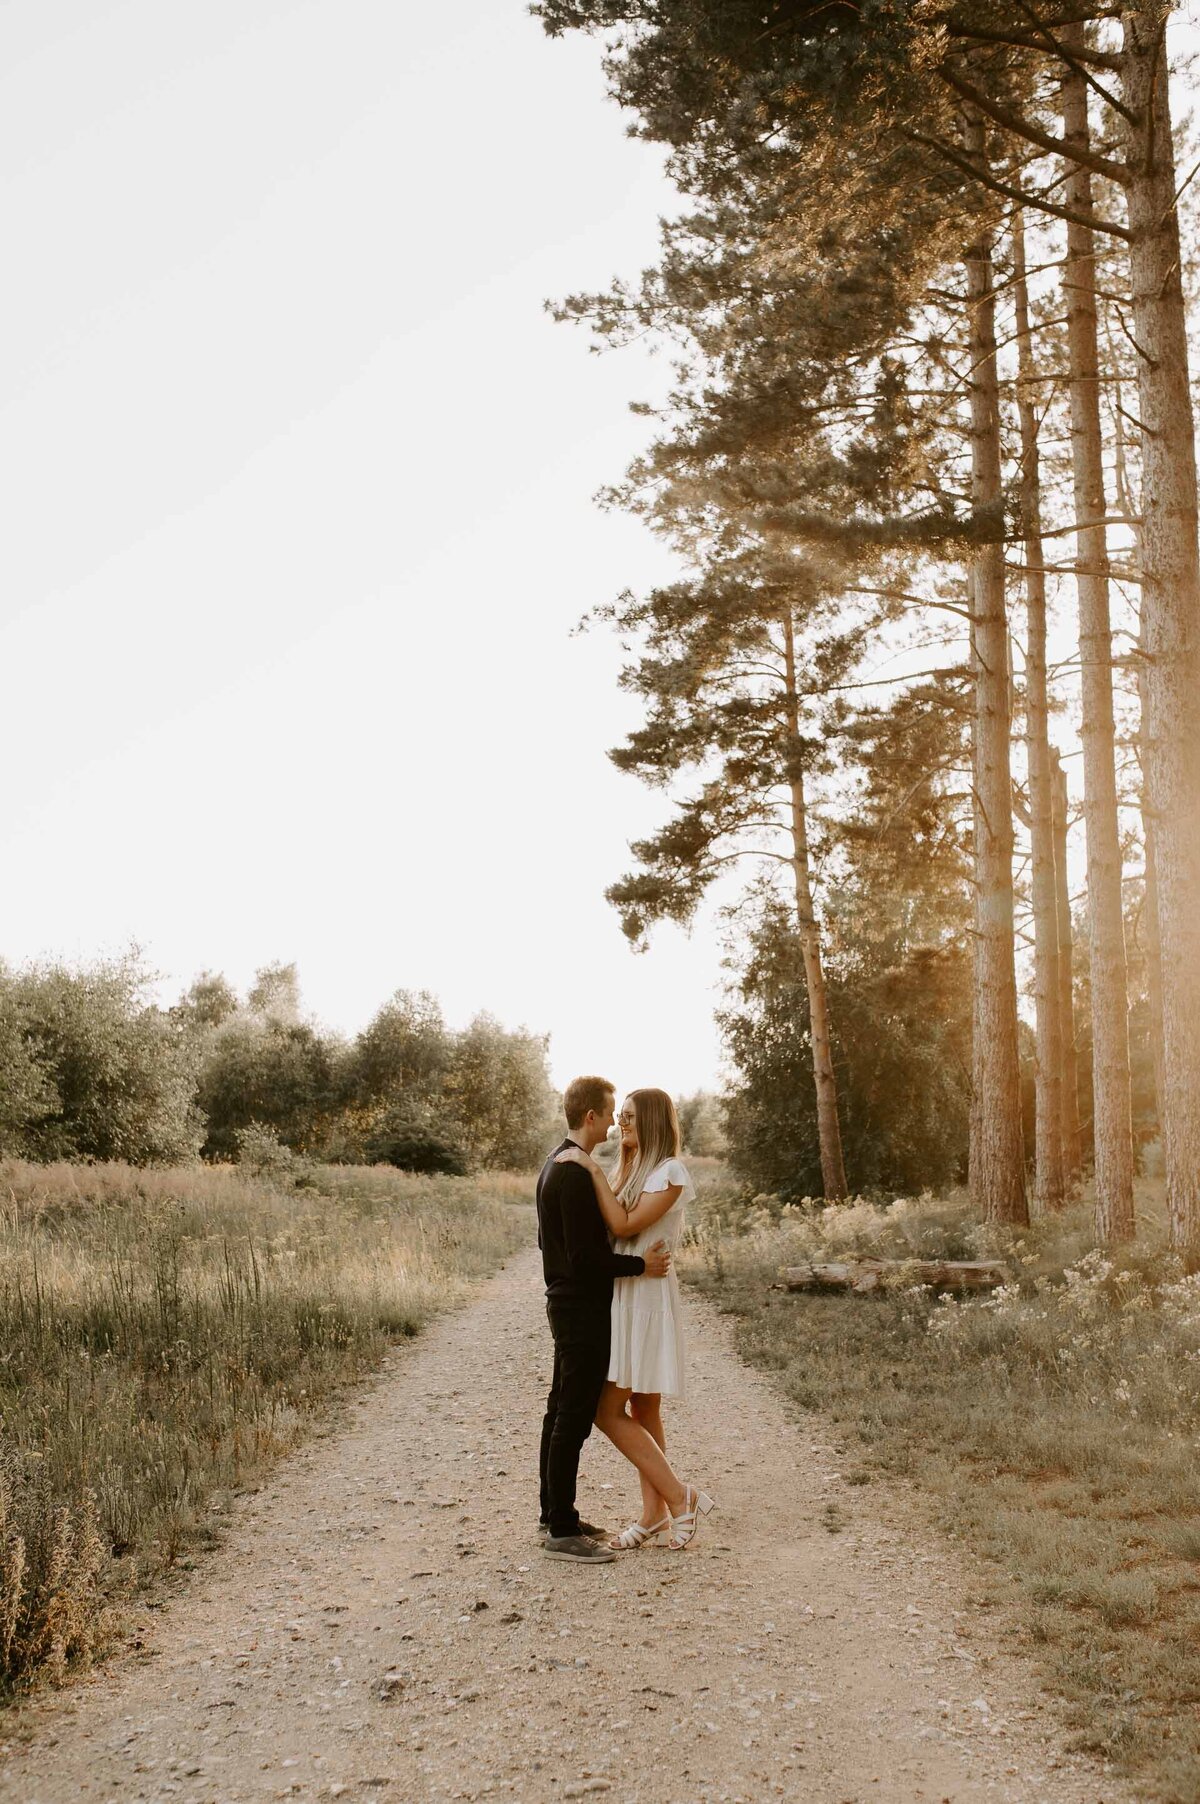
x: 166, y: 1334
x: 1054, y: 1427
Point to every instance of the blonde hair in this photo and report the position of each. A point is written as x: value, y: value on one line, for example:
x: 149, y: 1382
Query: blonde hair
x: 658, y: 1137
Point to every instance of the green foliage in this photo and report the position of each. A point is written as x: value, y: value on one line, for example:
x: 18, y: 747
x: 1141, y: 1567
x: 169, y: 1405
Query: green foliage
x: 901, y: 1052
x: 27, y: 1093
x: 415, y: 1146
x: 419, y: 1096
x: 90, y: 1068
x: 264, y: 1072
x: 498, y: 1089
x: 897, y: 916
x: 210, y: 1000
x: 701, y: 1124
x: 263, y: 1154
x: 402, y: 1057
x: 99, y: 1072
x: 275, y: 994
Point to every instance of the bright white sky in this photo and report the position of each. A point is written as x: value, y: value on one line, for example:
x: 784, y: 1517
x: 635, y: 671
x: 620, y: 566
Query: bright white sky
x: 298, y: 481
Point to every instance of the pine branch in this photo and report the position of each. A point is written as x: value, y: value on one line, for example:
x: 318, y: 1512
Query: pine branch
x: 1019, y: 195
x: 908, y: 676
x: 1131, y: 417
x: 1100, y: 59
x: 752, y: 851
x: 926, y: 776
x: 1118, y: 575
x: 739, y: 674
x: 1073, y: 526
x: 997, y: 288
x: 1070, y: 57
x: 1033, y: 134
x: 1143, y: 354
x: 920, y: 601
x: 933, y: 526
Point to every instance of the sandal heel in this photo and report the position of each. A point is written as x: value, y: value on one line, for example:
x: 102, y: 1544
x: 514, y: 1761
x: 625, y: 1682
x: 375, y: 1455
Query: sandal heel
x: 684, y: 1526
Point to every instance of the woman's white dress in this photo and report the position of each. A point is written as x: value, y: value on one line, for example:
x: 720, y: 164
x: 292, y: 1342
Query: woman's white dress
x: 647, y: 1319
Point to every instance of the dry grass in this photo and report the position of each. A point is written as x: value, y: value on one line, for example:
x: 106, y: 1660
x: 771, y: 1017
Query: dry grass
x: 167, y: 1334
x: 1055, y: 1427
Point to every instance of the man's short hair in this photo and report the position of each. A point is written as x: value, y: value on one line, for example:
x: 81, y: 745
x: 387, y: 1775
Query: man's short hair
x: 584, y: 1093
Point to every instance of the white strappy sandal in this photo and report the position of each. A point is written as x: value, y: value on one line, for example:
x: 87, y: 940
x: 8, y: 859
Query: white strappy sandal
x: 684, y: 1526
x: 636, y: 1536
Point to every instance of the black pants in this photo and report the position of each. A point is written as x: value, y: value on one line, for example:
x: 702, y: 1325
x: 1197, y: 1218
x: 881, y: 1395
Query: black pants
x: 581, y: 1341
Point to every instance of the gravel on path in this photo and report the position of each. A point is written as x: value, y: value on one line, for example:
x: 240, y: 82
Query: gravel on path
x: 380, y: 1623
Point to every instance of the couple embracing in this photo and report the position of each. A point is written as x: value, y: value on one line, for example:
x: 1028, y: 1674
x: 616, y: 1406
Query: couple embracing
x: 614, y: 1315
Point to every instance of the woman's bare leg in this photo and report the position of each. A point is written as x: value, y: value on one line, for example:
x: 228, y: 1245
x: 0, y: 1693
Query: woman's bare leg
x: 639, y: 1447
x: 646, y: 1407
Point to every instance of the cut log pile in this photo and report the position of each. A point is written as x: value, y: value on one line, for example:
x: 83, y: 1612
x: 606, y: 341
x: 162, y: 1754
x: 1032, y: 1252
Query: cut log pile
x: 864, y: 1275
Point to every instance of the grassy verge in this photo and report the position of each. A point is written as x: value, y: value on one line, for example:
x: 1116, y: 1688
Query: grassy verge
x: 1054, y: 1427
x: 165, y: 1335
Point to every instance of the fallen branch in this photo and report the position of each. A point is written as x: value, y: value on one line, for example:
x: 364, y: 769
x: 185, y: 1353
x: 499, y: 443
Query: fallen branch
x: 864, y: 1275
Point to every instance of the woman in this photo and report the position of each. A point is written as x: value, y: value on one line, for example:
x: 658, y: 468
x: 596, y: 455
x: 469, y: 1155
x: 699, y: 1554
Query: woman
x: 652, y: 1187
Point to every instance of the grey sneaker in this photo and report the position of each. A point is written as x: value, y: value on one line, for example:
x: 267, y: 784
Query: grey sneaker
x: 585, y: 1528
x: 576, y: 1547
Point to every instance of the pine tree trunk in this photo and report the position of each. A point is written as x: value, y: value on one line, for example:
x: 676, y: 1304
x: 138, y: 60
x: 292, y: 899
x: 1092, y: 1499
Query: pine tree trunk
x: 1112, y: 1113
x: 974, y: 1115
x: 1129, y: 505
x: 1170, y: 594
x: 829, y: 1136
x: 1154, y: 976
x: 1154, y: 972
x: 1072, y: 1137
x: 1048, y: 1143
x: 997, y: 1159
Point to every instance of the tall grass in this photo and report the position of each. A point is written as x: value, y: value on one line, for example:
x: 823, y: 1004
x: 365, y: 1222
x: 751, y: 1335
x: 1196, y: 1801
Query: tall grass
x: 166, y: 1334
x: 1054, y: 1425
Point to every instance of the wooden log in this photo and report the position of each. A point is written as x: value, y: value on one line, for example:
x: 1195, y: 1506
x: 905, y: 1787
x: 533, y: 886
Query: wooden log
x: 965, y: 1274
x: 865, y: 1275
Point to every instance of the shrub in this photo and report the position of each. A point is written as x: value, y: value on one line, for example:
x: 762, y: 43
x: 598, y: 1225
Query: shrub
x: 106, y: 1074
x: 404, y: 1052
x: 499, y: 1092
x: 27, y: 1092
x: 266, y: 1073
x: 263, y: 1153
x: 902, y: 1053
x: 702, y: 1125
x: 51, y: 1555
x: 412, y: 1146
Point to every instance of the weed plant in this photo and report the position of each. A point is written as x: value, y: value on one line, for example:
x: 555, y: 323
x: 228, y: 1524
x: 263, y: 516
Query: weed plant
x: 166, y: 1334
x: 1054, y: 1425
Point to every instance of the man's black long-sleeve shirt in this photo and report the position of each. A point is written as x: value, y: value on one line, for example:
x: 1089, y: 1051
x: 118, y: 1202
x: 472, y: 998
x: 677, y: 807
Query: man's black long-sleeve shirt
x: 577, y: 1260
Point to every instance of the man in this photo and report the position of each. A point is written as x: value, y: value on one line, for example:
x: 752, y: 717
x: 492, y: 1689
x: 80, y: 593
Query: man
x: 579, y: 1267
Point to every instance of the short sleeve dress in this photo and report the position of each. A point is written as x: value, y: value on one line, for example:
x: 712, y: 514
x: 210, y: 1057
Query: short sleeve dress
x: 647, y: 1348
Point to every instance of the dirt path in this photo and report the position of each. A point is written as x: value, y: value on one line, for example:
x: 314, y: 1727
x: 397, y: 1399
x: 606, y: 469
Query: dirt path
x: 775, y: 1658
